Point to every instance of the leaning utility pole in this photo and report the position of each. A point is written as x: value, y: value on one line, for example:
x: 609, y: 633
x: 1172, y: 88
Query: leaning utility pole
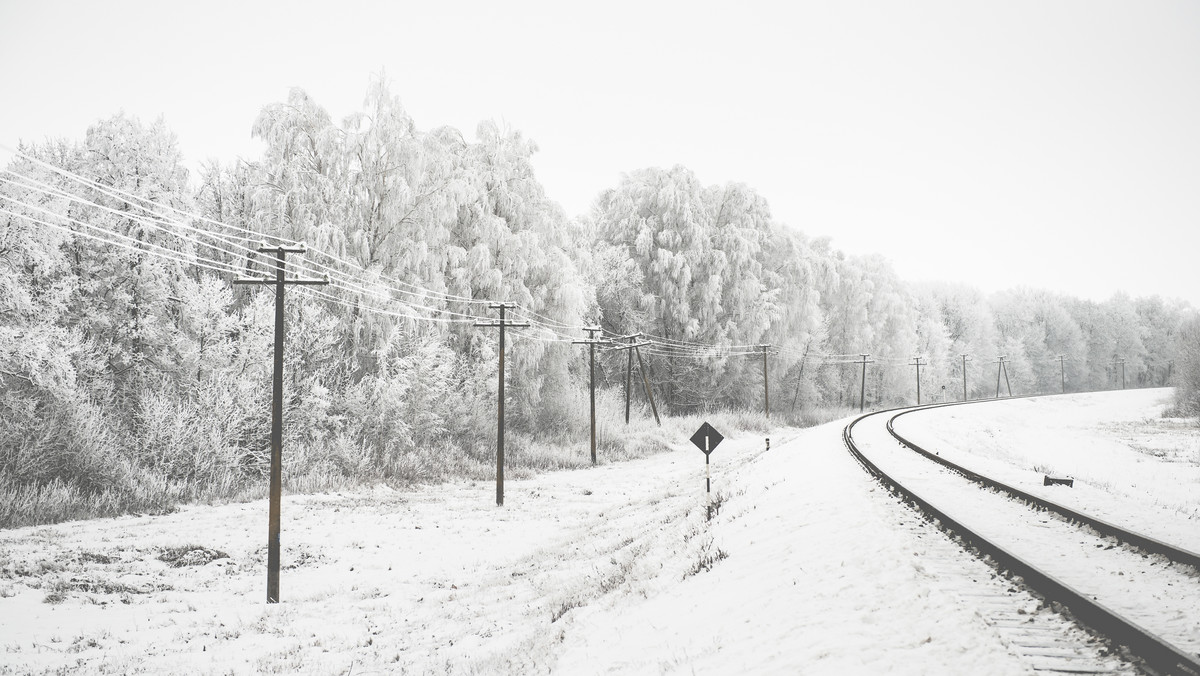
x: 1062, y: 373
x: 591, y: 342
x: 917, y: 362
x: 862, y: 392
x: 502, y: 324
x: 631, y: 348
x: 800, y: 375
x: 1004, y: 369
x: 646, y: 382
x: 276, y: 489
x: 766, y: 392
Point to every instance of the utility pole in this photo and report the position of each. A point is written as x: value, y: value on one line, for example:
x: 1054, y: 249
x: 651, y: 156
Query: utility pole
x: 766, y: 392
x: 631, y: 348
x: 999, y: 369
x: 276, y: 489
x: 800, y: 375
x: 502, y: 324
x: 628, y: 377
x: 591, y: 342
x: 964, y: 362
x: 646, y: 382
x: 917, y: 362
x: 1062, y: 373
x: 862, y: 392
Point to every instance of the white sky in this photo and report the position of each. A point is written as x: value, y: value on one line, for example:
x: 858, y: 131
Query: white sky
x: 1041, y: 143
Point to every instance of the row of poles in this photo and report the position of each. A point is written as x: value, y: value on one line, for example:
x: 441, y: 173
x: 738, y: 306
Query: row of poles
x: 1001, y: 371
x: 630, y: 344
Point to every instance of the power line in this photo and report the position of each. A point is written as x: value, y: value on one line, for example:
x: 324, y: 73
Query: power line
x: 140, y: 202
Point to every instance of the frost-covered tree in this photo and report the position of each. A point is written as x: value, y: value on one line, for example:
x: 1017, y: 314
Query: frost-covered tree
x: 715, y: 269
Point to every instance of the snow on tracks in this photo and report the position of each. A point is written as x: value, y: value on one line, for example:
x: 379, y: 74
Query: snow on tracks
x: 1153, y: 592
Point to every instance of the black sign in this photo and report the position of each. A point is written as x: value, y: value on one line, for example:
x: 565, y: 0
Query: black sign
x: 714, y: 437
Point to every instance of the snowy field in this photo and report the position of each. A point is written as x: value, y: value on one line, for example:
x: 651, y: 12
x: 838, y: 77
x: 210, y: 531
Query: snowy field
x: 808, y: 567
x: 1131, y: 466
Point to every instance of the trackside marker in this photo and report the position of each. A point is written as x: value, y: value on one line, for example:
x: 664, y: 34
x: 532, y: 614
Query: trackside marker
x: 707, y: 439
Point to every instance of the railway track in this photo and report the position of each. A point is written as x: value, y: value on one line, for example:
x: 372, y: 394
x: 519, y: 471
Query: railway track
x: 1141, y: 594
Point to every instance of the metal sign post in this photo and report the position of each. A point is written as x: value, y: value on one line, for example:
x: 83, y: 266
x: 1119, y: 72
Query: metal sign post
x: 707, y: 439
x: 707, y: 471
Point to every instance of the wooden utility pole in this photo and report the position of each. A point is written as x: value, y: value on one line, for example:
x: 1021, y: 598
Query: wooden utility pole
x: 632, y: 347
x: 628, y: 384
x: 917, y: 362
x: 964, y: 364
x: 766, y: 391
x: 1002, y: 369
x: 862, y: 392
x: 1062, y: 373
x: 1121, y: 361
x: 591, y: 342
x: 276, y: 489
x: 800, y: 375
x: 646, y: 382
x: 502, y: 324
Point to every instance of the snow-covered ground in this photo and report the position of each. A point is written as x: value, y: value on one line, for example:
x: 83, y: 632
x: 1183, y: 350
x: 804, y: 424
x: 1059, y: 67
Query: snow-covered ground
x: 808, y: 567
x: 1131, y: 466
x: 1158, y: 595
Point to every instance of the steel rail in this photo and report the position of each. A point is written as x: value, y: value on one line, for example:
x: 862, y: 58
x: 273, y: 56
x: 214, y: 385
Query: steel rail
x: 1158, y: 654
x: 1143, y: 542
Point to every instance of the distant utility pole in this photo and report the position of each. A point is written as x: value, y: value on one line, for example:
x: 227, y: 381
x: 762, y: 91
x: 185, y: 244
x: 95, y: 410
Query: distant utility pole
x: 1121, y: 361
x: 964, y: 363
x: 502, y: 324
x: 800, y: 375
x: 917, y: 362
x: 862, y: 391
x: 766, y: 392
x: 276, y: 489
x: 591, y: 342
x: 1002, y: 369
x: 1062, y: 373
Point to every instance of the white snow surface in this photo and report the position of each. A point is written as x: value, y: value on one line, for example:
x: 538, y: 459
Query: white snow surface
x: 1131, y: 466
x: 809, y: 567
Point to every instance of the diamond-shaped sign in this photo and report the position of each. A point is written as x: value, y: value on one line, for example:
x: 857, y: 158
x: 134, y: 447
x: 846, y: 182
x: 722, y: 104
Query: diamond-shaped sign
x: 706, y: 432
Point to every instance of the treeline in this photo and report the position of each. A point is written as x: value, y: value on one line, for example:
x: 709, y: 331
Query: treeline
x: 133, y: 374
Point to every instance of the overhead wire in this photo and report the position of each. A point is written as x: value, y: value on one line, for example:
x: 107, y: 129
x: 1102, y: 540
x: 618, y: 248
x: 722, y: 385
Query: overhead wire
x: 152, y: 250
x: 145, y: 247
x: 339, y: 279
x: 140, y: 202
x: 343, y: 281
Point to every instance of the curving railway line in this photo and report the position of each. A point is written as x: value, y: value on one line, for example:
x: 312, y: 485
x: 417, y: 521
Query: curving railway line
x: 1139, y: 593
